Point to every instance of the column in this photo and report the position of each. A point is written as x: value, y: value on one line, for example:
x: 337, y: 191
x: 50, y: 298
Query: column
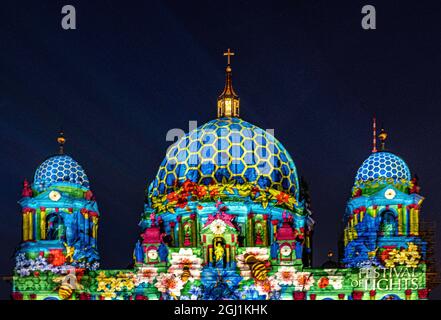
x: 43, y: 230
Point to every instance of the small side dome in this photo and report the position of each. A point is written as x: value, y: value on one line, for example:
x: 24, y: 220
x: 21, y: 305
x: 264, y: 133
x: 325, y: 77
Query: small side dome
x: 60, y: 168
x: 383, y: 165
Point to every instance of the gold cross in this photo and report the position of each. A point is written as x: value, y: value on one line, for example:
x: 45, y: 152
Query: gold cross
x: 228, y: 54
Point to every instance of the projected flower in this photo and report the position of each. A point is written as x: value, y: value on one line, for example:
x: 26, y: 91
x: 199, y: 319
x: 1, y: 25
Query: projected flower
x: 169, y: 283
x: 303, y: 281
x: 185, y: 265
x: 286, y: 275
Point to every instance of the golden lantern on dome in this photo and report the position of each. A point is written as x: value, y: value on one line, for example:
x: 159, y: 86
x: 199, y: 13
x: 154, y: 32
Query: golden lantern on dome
x: 228, y: 101
x: 382, y: 136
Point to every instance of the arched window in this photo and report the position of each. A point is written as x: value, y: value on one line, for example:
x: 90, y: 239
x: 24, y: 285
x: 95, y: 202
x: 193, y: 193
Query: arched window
x: 55, y: 227
x: 388, y: 225
x: 391, y: 297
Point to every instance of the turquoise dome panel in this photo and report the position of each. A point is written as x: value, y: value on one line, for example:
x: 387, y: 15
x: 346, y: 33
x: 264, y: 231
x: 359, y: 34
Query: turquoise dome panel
x: 383, y: 165
x: 60, y: 168
x: 227, y: 148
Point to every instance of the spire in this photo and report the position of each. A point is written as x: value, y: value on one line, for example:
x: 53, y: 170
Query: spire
x: 374, y: 133
x: 61, y: 141
x: 228, y: 101
x: 382, y: 136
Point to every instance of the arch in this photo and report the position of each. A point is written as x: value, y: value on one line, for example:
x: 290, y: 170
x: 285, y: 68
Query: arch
x: 55, y: 229
x: 391, y: 297
x: 388, y: 223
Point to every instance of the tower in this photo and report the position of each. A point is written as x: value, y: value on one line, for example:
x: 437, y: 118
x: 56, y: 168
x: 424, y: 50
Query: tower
x: 60, y: 218
x: 381, y: 223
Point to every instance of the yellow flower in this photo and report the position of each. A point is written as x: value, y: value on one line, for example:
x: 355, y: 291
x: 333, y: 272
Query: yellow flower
x: 129, y: 285
x: 412, y: 263
x: 244, y: 190
x: 401, y: 257
x: 263, y: 199
x: 390, y: 263
x: 101, y: 276
x: 412, y: 247
x: 102, y: 286
x: 109, y: 295
x: 227, y: 187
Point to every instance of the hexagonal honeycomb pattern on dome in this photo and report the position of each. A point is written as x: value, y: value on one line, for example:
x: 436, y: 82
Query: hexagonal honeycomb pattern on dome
x: 383, y: 165
x: 227, y: 148
x: 61, y: 168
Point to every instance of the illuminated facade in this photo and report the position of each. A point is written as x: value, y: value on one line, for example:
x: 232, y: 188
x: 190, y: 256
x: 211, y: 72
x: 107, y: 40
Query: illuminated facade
x: 226, y: 217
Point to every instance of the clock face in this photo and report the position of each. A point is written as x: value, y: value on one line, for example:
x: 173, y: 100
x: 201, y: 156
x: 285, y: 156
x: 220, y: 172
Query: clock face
x: 390, y: 194
x: 54, y: 195
x: 152, y: 254
x: 285, y: 250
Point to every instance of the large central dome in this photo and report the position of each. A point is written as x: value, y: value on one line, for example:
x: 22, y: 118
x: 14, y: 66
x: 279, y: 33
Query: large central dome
x: 227, y: 149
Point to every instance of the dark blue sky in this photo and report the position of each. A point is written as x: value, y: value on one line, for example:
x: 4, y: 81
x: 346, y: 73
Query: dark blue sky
x: 131, y: 72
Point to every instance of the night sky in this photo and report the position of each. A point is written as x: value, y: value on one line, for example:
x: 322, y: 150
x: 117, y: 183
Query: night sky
x: 131, y: 72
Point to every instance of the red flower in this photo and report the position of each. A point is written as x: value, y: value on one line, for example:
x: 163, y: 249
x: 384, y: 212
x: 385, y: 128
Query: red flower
x: 385, y: 255
x: 172, y: 197
x: 255, y: 190
x: 56, y: 257
x: 79, y: 272
x: 323, y: 282
x: 282, y: 198
x: 182, y: 202
x: 200, y: 191
x: 214, y: 193
x: 188, y: 185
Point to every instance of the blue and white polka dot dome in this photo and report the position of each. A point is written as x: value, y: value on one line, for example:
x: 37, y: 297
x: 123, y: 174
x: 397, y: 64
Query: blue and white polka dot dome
x: 60, y: 168
x: 383, y: 165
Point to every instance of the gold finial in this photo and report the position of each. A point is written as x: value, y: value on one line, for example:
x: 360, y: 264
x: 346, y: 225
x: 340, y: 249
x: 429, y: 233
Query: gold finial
x: 61, y: 141
x: 382, y: 136
x: 374, y: 133
x: 330, y: 254
x: 228, y: 101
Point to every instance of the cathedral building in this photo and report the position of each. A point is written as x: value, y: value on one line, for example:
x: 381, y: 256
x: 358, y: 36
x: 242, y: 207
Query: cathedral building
x: 226, y: 217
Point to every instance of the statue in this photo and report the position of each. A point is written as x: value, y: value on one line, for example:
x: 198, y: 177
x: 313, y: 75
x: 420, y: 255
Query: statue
x: 219, y: 251
x: 187, y: 234
x: 27, y: 191
x: 299, y: 250
x: 139, y: 253
x: 259, y: 233
x: 163, y: 252
x: 274, y: 250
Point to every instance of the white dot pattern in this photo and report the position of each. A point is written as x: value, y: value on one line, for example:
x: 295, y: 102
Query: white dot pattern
x: 383, y: 165
x: 61, y: 168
